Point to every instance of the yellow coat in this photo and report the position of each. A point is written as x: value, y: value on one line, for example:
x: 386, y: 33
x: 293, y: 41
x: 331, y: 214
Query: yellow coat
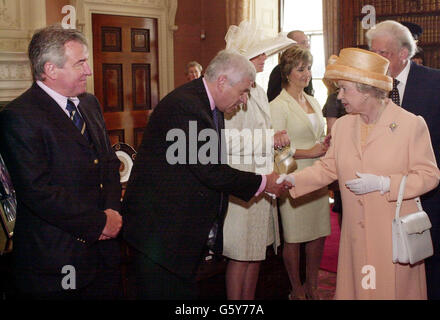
x: 398, y: 145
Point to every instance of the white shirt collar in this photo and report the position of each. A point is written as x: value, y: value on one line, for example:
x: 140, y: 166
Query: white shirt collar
x: 211, y: 99
x: 403, y: 75
x: 403, y: 78
x: 59, y: 99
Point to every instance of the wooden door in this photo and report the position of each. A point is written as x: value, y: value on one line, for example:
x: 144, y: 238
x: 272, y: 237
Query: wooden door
x: 126, y: 79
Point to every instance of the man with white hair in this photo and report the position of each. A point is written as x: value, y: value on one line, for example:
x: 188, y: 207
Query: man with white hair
x: 170, y: 208
x: 416, y: 88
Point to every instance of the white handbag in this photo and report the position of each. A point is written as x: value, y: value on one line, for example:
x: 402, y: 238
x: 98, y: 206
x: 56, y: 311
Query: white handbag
x: 411, y: 236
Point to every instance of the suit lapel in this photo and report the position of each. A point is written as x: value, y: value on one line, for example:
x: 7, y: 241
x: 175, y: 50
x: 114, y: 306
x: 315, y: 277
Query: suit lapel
x: 57, y: 116
x: 296, y: 109
x: 84, y: 110
x: 207, y: 112
x: 411, y: 92
x: 318, y: 111
x: 264, y: 107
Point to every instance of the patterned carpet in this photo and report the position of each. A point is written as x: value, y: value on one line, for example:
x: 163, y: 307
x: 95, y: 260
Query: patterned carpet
x: 329, y: 263
x: 327, y: 284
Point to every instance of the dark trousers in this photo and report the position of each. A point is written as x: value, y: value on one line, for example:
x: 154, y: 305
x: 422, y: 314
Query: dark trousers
x: 106, y: 285
x: 432, y: 266
x: 431, y: 204
x: 148, y: 280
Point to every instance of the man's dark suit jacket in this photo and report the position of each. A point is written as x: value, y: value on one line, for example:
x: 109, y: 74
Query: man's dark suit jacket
x: 63, y: 184
x: 168, y: 210
x: 422, y: 97
x: 274, y: 86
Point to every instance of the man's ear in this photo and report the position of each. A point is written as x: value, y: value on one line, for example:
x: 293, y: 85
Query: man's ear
x: 221, y: 82
x: 404, y: 54
x: 50, y: 70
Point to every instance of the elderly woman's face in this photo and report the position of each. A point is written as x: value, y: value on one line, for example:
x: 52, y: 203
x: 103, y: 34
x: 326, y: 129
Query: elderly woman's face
x: 193, y: 73
x: 258, y: 62
x: 351, y: 98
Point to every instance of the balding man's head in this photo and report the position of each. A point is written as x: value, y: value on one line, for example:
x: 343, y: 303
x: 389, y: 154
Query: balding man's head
x: 300, y: 37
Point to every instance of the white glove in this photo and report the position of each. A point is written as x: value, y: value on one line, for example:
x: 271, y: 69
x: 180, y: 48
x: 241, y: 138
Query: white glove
x: 271, y: 195
x: 289, y: 177
x: 368, y: 183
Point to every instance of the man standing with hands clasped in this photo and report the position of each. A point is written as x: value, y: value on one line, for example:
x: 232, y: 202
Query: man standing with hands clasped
x: 171, y: 209
x: 66, y: 176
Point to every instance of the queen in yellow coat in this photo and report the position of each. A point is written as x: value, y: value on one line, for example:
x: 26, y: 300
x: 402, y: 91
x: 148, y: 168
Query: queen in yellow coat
x: 372, y: 148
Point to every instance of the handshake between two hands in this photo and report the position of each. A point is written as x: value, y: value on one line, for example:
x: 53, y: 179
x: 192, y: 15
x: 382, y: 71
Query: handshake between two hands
x: 276, y: 184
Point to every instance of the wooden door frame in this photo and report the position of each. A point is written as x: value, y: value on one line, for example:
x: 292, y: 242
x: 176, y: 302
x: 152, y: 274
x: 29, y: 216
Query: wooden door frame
x: 164, y: 11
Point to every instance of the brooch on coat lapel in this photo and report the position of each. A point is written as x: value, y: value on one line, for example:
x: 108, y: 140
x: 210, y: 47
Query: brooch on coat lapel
x: 393, y: 126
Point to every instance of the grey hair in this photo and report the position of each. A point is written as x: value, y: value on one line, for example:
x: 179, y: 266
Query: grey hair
x: 373, y: 91
x: 47, y: 45
x: 397, y: 31
x: 231, y: 64
x: 193, y: 64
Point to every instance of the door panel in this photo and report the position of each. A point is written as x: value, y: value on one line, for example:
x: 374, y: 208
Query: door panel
x: 125, y: 54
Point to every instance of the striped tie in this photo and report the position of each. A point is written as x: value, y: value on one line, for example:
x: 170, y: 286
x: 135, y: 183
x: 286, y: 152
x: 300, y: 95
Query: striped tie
x: 76, y: 118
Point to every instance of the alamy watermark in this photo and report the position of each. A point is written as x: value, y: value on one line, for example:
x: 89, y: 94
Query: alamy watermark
x: 369, y: 280
x: 69, y: 20
x: 69, y: 280
x: 243, y: 146
x: 369, y: 21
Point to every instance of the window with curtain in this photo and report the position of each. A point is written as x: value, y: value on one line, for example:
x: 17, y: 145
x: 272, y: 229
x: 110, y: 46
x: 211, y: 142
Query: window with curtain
x: 308, y: 18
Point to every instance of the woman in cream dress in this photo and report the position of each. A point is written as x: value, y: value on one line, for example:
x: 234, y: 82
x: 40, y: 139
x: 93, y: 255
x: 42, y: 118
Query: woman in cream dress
x: 306, y: 219
x: 250, y: 227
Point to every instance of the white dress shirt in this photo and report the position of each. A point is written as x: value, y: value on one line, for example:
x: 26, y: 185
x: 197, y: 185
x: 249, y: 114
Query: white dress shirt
x: 403, y: 78
x: 59, y: 99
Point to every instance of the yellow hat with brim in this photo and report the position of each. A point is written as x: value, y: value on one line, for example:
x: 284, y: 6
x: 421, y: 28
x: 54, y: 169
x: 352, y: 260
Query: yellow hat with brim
x: 358, y: 65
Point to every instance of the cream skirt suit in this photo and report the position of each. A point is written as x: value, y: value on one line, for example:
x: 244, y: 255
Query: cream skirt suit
x: 308, y: 217
x: 250, y: 226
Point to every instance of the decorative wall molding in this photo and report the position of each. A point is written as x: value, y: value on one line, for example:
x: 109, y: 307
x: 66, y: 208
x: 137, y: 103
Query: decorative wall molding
x: 14, y: 45
x: 15, y: 71
x: 152, y: 3
x: 18, y: 21
x: 9, y: 14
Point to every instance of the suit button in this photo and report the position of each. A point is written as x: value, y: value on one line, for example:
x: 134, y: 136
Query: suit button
x: 96, y: 161
x: 101, y: 186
